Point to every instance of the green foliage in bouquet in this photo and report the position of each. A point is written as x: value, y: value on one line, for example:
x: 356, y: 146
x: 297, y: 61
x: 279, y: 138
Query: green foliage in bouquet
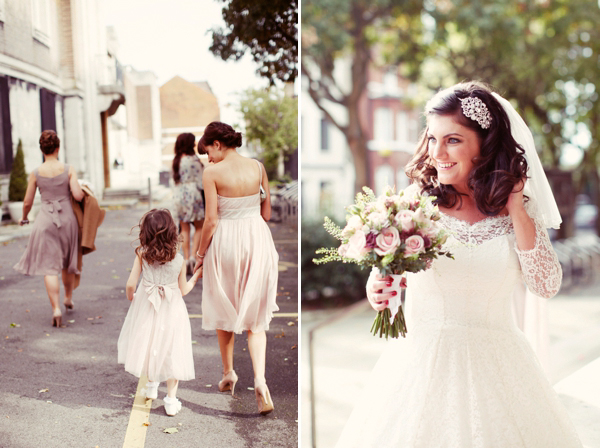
x: 17, y: 184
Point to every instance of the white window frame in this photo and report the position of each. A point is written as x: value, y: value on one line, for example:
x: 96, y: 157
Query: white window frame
x: 40, y: 19
x: 383, y: 126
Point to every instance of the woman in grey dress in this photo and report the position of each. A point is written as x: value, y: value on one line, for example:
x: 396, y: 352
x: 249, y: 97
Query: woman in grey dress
x: 52, y: 246
x: 189, y: 206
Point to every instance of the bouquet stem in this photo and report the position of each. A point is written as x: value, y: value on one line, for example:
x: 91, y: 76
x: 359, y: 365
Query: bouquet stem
x: 382, y: 325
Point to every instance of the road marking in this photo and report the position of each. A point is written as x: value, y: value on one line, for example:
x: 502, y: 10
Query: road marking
x: 199, y: 316
x: 135, y: 437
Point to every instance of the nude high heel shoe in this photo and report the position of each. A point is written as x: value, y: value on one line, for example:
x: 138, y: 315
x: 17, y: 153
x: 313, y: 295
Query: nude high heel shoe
x: 57, y: 319
x: 228, y: 382
x: 263, y: 397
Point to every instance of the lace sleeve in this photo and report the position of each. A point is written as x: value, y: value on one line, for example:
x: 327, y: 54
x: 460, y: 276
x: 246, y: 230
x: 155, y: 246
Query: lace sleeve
x: 540, y: 266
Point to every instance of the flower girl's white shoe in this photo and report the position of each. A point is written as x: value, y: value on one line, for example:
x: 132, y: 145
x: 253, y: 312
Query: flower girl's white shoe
x: 172, y: 405
x: 228, y: 382
x: 152, y: 389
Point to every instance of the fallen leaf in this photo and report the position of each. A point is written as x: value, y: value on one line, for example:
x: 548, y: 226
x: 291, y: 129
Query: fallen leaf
x: 6, y: 337
x: 194, y: 342
x: 285, y: 359
x: 146, y: 424
x: 47, y: 334
x: 90, y: 318
x: 250, y: 388
x: 171, y: 430
x: 293, y: 347
x: 42, y: 390
x: 48, y: 401
x: 116, y: 277
x: 26, y: 311
x: 98, y: 317
x: 72, y: 321
x: 179, y: 424
x: 291, y: 324
x: 208, y: 385
x: 282, y: 335
x: 13, y: 325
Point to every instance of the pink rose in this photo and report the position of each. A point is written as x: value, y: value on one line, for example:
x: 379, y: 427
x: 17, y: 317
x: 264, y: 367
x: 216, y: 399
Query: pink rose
x: 404, y: 218
x: 356, y: 245
x: 414, y: 245
x: 387, y: 241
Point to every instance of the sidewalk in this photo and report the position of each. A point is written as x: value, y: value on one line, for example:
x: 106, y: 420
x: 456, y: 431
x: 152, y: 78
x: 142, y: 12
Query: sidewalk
x: 64, y: 388
x: 345, y: 353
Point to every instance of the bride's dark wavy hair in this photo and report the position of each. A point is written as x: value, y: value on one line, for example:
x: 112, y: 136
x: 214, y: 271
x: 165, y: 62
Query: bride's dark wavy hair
x: 499, y: 167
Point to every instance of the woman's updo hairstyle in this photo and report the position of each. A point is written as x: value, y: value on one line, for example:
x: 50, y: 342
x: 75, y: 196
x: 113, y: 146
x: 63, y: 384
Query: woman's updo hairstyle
x: 217, y: 131
x: 49, y: 141
x: 500, y: 166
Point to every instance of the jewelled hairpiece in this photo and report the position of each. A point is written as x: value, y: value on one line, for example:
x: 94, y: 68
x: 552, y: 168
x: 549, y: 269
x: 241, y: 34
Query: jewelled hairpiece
x: 476, y: 110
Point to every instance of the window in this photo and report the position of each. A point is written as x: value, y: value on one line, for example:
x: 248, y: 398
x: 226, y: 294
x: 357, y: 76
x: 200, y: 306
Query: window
x: 383, y: 125
x: 326, y: 197
x: 41, y: 20
x: 324, y: 134
x: 6, y: 149
x: 402, y: 132
x: 384, y: 176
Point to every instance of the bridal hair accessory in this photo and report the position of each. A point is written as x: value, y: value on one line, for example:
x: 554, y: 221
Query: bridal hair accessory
x: 537, y: 186
x: 476, y: 110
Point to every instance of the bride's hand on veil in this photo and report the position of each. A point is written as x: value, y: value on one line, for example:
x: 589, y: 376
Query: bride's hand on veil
x: 515, y: 203
x: 379, y: 291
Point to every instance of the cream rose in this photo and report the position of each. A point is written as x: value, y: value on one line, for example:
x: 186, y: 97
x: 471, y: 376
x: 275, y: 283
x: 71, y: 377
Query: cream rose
x: 356, y: 245
x: 404, y: 218
x: 387, y: 241
x: 414, y: 245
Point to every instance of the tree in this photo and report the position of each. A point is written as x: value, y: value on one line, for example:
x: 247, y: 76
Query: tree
x: 268, y: 28
x: 271, y: 118
x: 333, y: 30
x: 17, y: 185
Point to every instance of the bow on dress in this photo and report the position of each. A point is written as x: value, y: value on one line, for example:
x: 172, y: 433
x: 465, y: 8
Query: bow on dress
x: 157, y: 293
x: 54, y: 206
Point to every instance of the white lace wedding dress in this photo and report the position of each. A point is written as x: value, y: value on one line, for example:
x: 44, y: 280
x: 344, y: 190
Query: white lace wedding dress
x: 466, y: 377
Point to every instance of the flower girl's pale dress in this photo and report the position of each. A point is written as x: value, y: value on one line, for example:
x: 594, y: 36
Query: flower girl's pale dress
x: 239, y: 284
x: 466, y: 377
x: 156, y: 338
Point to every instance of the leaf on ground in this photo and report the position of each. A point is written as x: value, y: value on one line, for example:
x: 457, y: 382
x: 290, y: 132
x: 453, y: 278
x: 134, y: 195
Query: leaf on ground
x: 293, y: 347
x: 171, y: 430
x: 14, y: 325
x: 48, y: 401
x: 90, y: 318
x: 116, y: 277
x: 194, y: 342
x: 26, y: 311
x: 282, y: 335
x: 146, y: 424
x: 42, y: 390
x: 291, y: 324
x: 250, y: 388
x: 72, y: 321
x: 208, y: 385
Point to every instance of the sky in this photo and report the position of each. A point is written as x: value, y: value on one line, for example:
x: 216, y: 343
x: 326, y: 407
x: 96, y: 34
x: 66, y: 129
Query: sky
x: 169, y: 38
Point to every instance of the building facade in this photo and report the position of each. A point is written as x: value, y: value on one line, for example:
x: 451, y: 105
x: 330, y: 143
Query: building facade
x: 392, y: 126
x: 56, y: 72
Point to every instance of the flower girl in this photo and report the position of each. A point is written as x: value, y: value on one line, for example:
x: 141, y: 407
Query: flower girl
x: 156, y: 338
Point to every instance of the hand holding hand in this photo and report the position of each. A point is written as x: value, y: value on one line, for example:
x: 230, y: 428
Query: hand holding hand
x: 197, y: 274
x: 199, y: 263
x: 23, y: 222
x: 379, y: 291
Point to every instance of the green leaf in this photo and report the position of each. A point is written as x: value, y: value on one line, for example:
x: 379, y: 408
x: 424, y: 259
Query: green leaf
x: 171, y: 430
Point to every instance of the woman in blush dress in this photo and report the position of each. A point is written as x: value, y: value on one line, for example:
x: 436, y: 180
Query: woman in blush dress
x: 238, y: 255
x: 52, y: 247
x: 189, y: 205
x: 466, y: 377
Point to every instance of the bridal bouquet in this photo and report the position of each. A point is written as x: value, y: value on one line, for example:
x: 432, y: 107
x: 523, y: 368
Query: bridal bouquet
x: 396, y: 232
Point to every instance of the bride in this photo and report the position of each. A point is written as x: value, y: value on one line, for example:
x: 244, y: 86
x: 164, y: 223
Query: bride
x: 469, y: 378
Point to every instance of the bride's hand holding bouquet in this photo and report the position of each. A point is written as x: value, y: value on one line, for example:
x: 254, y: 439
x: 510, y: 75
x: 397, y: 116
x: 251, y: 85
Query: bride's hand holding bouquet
x: 394, y: 233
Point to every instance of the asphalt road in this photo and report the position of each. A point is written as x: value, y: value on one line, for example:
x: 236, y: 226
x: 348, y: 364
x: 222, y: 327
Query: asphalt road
x: 64, y: 388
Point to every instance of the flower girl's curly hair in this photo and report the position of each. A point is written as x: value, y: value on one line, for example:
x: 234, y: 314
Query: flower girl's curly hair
x: 500, y: 166
x: 159, y: 240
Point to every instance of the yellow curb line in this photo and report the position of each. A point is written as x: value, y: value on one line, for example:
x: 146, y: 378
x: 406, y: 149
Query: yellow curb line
x: 135, y: 437
x: 199, y: 316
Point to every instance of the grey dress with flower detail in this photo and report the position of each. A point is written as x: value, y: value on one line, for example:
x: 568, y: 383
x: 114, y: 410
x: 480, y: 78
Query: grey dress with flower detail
x: 189, y: 206
x: 52, y: 244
